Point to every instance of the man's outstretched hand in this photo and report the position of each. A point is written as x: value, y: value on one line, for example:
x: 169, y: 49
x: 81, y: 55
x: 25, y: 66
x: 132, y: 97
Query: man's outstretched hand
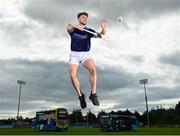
x: 103, y: 25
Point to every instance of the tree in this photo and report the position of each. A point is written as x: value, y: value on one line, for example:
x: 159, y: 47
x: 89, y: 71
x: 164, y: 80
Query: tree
x: 101, y: 113
x: 138, y: 116
x: 76, y: 115
x: 177, y: 109
x: 128, y: 113
x: 112, y: 112
x: 91, y: 116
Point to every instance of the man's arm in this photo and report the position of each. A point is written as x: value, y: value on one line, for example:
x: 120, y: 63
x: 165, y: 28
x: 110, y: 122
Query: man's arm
x: 103, y: 26
x: 70, y: 28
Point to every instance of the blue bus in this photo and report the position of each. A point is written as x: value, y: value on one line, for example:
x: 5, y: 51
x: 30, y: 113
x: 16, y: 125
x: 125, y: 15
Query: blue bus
x: 56, y: 119
x: 109, y: 122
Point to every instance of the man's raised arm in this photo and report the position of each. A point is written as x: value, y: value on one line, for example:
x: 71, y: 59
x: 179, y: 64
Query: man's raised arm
x: 103, y: 26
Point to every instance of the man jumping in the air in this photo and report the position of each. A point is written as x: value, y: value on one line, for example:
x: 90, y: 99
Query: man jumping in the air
x: 80, y: 47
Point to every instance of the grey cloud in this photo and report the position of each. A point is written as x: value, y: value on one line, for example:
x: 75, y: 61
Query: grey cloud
x: 16, y: 33
x: 62, y: 12
x: 160, y: 92
x: 135, y: 59
x: 55, y: 12
x: 24, y: 33
x: 48, y: 81
x: 172, y: 59
x: 137, y: 102
x: 42, y: 79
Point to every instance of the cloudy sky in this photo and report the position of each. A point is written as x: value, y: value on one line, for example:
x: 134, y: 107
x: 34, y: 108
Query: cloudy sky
x: 34, y: 47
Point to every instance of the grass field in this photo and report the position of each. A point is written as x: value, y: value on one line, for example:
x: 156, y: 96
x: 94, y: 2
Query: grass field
x: 91, y: 131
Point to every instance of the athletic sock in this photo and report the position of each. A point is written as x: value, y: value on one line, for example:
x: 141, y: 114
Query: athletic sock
x: 92, y: 92
x: 80, y: 93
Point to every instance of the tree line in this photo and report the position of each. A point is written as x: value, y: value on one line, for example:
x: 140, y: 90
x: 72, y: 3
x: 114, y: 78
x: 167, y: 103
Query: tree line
x: 157, y: 117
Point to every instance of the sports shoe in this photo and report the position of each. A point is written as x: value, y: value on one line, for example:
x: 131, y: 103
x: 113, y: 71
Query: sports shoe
x: 82, y: 101
x: 93, y: 98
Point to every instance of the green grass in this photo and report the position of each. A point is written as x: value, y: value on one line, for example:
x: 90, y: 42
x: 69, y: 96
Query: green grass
x: 91, y: 131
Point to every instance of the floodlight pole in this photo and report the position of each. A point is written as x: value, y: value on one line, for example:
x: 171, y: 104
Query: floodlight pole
x: 144, y: 82
x: 20, y: 84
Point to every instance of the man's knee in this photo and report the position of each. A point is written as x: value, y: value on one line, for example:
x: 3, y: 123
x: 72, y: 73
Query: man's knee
x: 92, y: 71
x: 73, y: 76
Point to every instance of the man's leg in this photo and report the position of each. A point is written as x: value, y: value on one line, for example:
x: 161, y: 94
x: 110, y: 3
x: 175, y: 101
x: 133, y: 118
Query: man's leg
x: 73, y: 69
x: 90, y: 66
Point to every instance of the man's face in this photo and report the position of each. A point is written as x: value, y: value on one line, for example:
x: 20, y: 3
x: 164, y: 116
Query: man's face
x: 83, y: 19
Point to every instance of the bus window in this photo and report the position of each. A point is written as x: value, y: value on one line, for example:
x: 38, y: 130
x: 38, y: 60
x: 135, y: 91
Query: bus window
x: 62, y: 117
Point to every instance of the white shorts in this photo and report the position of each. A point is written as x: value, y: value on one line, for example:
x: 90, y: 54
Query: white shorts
x: 78, y: 57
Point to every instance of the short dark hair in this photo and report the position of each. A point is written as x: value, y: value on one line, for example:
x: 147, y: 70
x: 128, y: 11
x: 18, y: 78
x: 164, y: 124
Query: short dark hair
x: 82, y: 13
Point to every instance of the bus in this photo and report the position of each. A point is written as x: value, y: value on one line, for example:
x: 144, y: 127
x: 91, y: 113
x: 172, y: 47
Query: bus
x: 56, y: 119
x: 109, y: 122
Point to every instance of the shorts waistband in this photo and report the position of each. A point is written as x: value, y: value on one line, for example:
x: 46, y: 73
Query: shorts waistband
x: 79, y: 51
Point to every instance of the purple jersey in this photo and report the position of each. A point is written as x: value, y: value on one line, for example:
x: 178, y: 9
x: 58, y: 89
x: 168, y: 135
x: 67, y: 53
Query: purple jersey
x: 81, y: 40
